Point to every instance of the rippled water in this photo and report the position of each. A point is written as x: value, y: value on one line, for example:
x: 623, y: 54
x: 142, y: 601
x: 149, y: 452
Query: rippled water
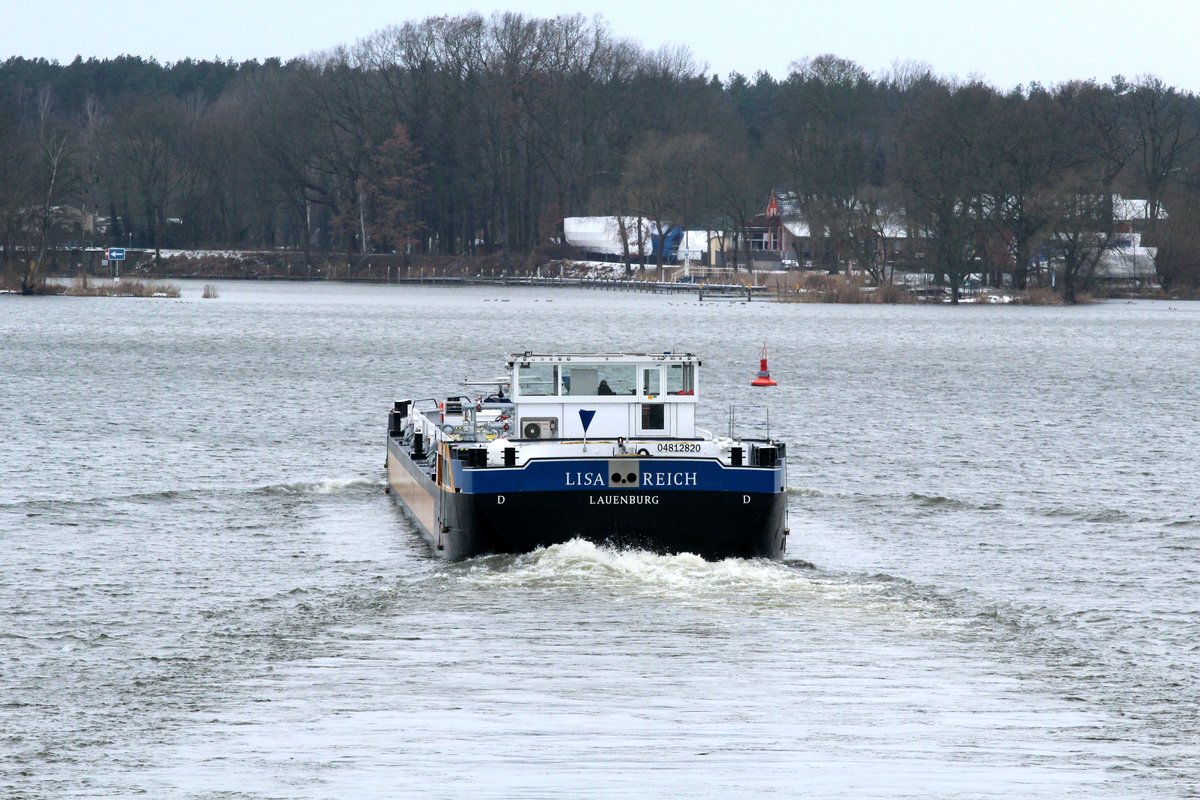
x: 992, y: 586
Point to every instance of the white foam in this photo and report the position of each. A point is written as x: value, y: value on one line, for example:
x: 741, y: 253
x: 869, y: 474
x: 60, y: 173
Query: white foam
x: 328, y: 486
x: 755, y: 586
x: 338, y: 485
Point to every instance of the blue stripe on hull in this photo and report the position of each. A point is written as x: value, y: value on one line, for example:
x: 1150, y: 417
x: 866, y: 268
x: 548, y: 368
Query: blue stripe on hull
x: 645, y: 474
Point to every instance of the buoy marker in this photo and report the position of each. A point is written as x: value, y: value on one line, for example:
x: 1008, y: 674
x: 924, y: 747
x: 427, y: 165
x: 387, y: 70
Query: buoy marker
x: 764, y: 374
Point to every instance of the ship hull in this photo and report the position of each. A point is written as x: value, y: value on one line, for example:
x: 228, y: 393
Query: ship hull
x: 739, y: 514
x: 710, y: 524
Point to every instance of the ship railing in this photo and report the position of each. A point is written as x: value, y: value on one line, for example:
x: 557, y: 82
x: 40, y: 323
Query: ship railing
x: 749, y: 421
x: 424, y: 417
x: 425, y: 404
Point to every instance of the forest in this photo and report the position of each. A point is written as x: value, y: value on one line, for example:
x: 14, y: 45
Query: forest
x: 470, y: 135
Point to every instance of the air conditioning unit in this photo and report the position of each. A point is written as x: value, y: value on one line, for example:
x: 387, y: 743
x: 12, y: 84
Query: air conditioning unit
x: 539, y: 428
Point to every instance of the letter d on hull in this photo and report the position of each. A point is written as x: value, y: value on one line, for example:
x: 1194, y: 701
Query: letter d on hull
x: 745, y: 499
x: 499, y: 499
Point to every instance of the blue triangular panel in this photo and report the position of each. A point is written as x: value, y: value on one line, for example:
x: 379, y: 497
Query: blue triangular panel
x: 586, y: 418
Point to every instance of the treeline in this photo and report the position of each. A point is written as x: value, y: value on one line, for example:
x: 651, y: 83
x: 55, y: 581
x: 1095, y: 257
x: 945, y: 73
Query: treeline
x: 471, y: 134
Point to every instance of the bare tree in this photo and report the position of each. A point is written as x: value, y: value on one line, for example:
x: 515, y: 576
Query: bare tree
x: 863, y: 227
x: 351, y: 127
x: 287, y: 147
x: 394, y: 187
x: 1165, y: 135
x: 832, y: 143
x: 149, y: 143
x: 1029, y: 137
x: 665, y: 180
x: 12, y: 160
x: 54, y: 177
x: 1083, y: 232
x: 941, y: 168
x: 1178, y: 256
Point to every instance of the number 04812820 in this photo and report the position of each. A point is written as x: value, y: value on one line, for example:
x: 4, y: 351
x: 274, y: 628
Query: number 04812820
x: 679, y: 447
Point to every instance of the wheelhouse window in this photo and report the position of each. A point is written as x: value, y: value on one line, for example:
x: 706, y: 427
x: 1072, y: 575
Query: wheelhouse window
x: 681, y: 379
x: 592, y: 380
x: 651, y: 378
x: 654, y: 417
x: 537, y: 380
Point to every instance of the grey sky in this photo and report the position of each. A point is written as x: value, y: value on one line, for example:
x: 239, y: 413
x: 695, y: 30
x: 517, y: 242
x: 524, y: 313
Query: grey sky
x: 1005, y: 43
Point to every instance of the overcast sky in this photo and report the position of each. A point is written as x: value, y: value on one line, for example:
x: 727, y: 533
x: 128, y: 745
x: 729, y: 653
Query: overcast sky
x: 1004, y: 42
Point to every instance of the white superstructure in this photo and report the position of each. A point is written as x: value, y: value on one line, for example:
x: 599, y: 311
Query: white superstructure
x: 620, y: 395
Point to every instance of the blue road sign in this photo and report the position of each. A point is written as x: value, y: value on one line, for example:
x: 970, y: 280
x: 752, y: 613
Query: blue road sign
x: 116, y: 254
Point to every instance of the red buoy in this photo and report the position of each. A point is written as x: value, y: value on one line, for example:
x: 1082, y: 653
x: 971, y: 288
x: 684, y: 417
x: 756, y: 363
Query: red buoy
x: 764, y: 375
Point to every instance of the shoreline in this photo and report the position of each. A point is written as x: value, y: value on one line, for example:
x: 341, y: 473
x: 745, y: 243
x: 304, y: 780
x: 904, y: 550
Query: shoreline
x: 158, y: 286
x: 789, y: 286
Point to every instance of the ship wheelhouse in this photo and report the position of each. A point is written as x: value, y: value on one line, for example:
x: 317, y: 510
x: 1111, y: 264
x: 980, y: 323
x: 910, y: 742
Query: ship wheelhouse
x: 597, y: 395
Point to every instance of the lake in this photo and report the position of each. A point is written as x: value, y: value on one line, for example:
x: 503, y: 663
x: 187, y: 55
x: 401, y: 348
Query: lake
x: 992, y: 584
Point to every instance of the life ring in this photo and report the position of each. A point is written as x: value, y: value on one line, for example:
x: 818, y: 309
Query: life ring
x: 643, y: 451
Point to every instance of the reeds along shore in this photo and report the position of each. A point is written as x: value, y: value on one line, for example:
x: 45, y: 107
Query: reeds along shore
x: 815, y: 288
x: 792, y: 288
x: 821, y: 288
x: 83, y: 286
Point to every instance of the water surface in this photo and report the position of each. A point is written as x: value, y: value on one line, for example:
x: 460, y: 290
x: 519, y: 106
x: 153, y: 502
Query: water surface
x: 990, y: 591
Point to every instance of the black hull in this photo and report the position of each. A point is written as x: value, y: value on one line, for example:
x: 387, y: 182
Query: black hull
x: 713, y: 525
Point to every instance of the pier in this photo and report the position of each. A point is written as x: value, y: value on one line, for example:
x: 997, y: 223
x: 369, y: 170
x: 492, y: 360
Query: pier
x: 703, y: 291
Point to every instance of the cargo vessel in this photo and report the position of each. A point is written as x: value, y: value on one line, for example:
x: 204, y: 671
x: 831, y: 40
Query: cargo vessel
x: 597, y: 446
